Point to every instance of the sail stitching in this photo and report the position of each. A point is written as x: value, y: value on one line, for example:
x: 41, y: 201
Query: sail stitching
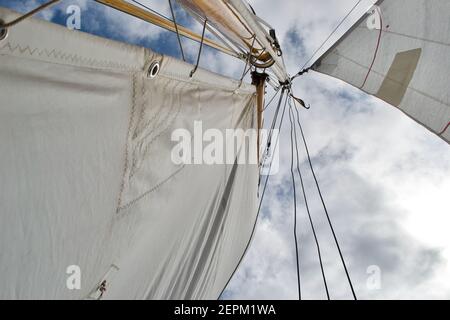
x: 156, y: 187
x: 204, y: 84
x: 125, y: 169
x: 168, y: 120
x: 60, y: 55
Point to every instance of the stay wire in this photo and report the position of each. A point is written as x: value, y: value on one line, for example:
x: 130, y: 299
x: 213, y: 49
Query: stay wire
x: 297, y: 258
x: 307, y: 208
x: 260, y: 203
x: 324, y: 206
x: 271, y: 162
x: 271, y: 100
x: 151, y: 10
x: 302, y: 69
x: 176, y: 29
x: 274, y: 120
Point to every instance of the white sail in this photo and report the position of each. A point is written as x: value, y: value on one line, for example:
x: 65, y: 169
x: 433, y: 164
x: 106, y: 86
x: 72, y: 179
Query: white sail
x: 400, y: 53
x: 86, y: 177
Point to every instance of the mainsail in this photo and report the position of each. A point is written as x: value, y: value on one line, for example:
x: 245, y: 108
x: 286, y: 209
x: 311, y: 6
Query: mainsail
x: 399, y: 52
x: 86, y: 176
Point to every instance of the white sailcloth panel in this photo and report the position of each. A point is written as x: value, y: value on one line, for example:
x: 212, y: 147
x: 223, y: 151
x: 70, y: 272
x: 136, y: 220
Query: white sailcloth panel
x: 86, y: 177
x: 406, y: 62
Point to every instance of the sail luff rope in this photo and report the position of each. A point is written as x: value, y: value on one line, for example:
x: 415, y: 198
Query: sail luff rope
x: 302, y: 69
x: 324, y: 207
x: 308, y: 211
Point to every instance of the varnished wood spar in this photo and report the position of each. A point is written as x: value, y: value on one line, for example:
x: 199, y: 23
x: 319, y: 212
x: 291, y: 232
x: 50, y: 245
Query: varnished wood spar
x: 259, y: 81
x: 228, y: 22
x: 162, y: 22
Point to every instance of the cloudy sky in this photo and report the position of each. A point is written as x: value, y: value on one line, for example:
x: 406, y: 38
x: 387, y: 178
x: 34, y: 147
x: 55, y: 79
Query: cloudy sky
x: 386, y: 179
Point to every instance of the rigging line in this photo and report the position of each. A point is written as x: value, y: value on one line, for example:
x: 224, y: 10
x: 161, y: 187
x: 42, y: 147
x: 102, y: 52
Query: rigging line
x: 271, y: 100
x: 275, y: 117
x: 200, y: 50
x: 324, y: 207
x: 328, y: 38
x: 176, y: 29
x: 297, y: 264
x: 270, y: 166
x: 260, y: 204
x: 247, y: 62
x: 152, y: 10
x: 28, y: 14
x: 308, y: 211
x: 272, y: 127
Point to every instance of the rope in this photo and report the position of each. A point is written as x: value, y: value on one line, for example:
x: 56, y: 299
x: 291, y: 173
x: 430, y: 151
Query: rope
x: 28, y: 14
x: 302, y: 69
x: 297, y: 264
x: 151, y: 10
x: 176, y: 29
x: 308, y: 211
x: 271, y: 99
x: 247, y: 62
x: 275, y: 117
x: 324, y: 206
x: 199, y: 50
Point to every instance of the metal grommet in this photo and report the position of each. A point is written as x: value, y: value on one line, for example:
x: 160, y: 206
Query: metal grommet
x: 153, y: 70
x: 3, y: 31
